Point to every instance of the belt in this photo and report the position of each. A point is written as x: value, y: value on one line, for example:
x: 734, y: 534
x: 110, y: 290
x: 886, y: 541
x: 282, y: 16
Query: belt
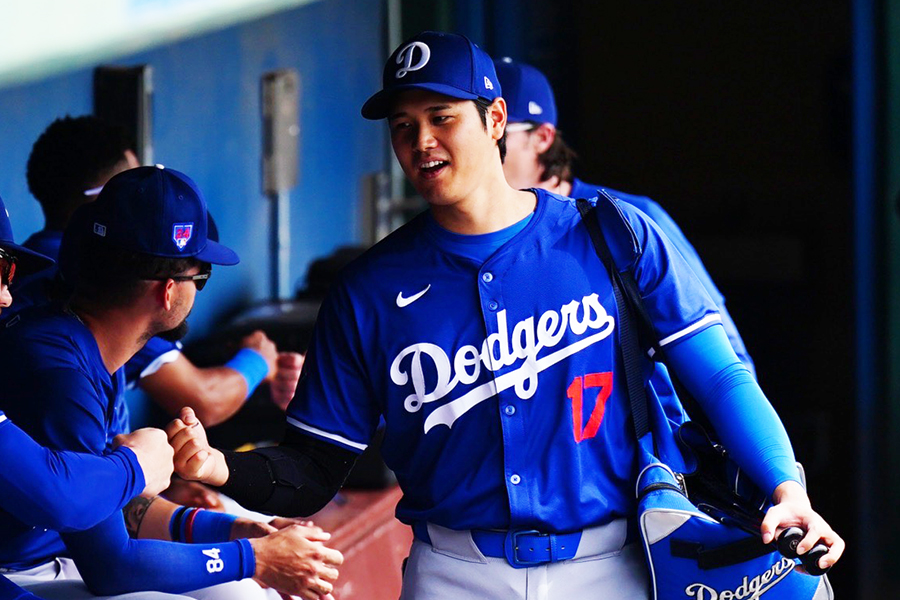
x: 521, y: 548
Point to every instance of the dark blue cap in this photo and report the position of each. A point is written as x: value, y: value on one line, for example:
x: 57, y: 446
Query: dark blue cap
x: 446, y: 63
x: 527, y: 92
x: 155, y: 211
x: 28, y: 261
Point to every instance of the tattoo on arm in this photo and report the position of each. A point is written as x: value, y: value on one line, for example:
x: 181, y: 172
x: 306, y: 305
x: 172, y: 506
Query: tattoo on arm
x: 134, y: 512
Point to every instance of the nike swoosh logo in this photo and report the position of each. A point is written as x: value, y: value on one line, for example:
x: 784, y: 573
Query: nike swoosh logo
x: 402, y: 302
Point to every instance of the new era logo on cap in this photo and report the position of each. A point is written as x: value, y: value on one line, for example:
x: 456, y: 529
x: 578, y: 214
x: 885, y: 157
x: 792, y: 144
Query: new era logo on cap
x: 444, y: 63
x: 534, y: 108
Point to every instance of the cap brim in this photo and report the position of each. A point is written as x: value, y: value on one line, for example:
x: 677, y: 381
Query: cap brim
x: 27, y: 261
x: 379, y: 105
x: 217, y: 254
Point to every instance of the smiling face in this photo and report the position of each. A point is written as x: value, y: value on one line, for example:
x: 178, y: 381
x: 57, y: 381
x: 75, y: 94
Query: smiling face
x: 443, y: 146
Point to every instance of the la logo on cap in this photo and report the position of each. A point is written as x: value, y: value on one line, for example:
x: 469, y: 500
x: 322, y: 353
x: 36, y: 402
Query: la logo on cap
x: 407, y: 55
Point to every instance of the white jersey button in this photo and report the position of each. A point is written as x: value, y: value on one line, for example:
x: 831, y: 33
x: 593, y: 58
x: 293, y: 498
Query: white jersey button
x: 487, y: 277
x: 515, y: 480
x: 509, y: 410
x: 493, y: 305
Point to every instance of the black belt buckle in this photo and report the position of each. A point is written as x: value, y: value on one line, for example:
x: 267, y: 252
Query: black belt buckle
x: 511, y: 549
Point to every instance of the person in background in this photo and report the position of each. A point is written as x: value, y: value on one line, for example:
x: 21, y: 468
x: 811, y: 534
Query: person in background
x: 538, y: 156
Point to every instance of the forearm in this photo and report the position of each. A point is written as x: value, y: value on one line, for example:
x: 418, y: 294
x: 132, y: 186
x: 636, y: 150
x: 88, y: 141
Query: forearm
x: 111, y: 563
x: 215, y: 393
x: 63, y: 490
x: 297, y: 478
x: 159, y: 519
x: 743, y: 418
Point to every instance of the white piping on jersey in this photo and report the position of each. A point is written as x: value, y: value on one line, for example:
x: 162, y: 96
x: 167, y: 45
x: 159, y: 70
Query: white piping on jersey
x: 713, y: 318
x: 2, y: 418
x: 165, y: 358
x: 325, y: 434
x: 527, y: 340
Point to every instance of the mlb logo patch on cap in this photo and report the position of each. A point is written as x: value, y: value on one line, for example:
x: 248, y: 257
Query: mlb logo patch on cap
x: 181, y: 234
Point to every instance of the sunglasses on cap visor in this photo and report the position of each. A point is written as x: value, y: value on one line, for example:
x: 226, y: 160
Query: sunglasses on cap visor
x: 7, y: 267
x: 199, y: 279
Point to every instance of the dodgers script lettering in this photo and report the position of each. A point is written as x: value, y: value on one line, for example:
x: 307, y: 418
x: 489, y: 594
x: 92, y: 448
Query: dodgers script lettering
x: 586, y: 318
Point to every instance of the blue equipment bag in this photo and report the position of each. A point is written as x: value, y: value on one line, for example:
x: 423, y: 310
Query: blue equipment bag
x: 700, y: 530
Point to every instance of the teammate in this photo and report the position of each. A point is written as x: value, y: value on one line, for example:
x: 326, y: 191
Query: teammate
x: 482, y: 332
x: 68, y: 166
x: 537, y: 156
x: 46, y: 488
x: 145, y: 254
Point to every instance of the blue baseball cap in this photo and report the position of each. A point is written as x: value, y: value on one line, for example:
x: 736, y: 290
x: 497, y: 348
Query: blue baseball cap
x: 28, y: 261
x: 155, y: 211
x: 446, y: 63
x: 527, y: 92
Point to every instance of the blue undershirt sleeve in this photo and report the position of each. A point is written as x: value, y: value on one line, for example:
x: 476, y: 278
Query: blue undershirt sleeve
x: 743, y: 418
x: 46, y: 488
x: 112, y: 563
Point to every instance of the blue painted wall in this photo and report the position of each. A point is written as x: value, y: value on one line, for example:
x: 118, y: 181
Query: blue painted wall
x: 207, y: 124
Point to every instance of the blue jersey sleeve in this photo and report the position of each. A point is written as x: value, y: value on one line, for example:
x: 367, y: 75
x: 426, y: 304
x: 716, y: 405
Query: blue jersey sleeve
x: 677, y: 303
x: 743, y: 417
x: 63, y: 490
x: 148, y: 360
x: 112, y: 563
x: 10, y: 591
x: 333, y: 401
x: 687, y: 250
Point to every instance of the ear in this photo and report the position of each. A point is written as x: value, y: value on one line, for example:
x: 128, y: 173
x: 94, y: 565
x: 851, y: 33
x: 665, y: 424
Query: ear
x: 496, y: 118
x: 165, y: 293
x: 542, y: 137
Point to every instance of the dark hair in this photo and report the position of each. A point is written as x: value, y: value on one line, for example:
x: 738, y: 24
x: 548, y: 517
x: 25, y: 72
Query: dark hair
x: 557, y: 160
x: 109, y: 277
x: 483, y: 106
x: 68, y: 157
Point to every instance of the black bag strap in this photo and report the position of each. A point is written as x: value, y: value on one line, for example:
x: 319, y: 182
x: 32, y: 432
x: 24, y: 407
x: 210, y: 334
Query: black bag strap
x: 628, y: 327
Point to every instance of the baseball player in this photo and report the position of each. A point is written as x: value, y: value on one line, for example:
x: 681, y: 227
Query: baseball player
x: 537, y: 156
x: 68, y: 166
x: 145, y: 255
x: 484, y: 333
x: 46, y: 488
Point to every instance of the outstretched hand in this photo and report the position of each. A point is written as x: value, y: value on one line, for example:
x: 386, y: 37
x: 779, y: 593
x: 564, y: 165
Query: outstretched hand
x: 153, y: 454
x: 195, y: 459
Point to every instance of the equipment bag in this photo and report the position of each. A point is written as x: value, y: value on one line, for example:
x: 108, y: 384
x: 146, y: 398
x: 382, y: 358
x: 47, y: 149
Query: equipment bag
x: 700, y: 530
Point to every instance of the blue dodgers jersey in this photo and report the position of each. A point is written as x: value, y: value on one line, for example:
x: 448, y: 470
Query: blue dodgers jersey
x: 55, y: 388
x: 500, y: 384
x: 668, y: 225
x: 32, y: 291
